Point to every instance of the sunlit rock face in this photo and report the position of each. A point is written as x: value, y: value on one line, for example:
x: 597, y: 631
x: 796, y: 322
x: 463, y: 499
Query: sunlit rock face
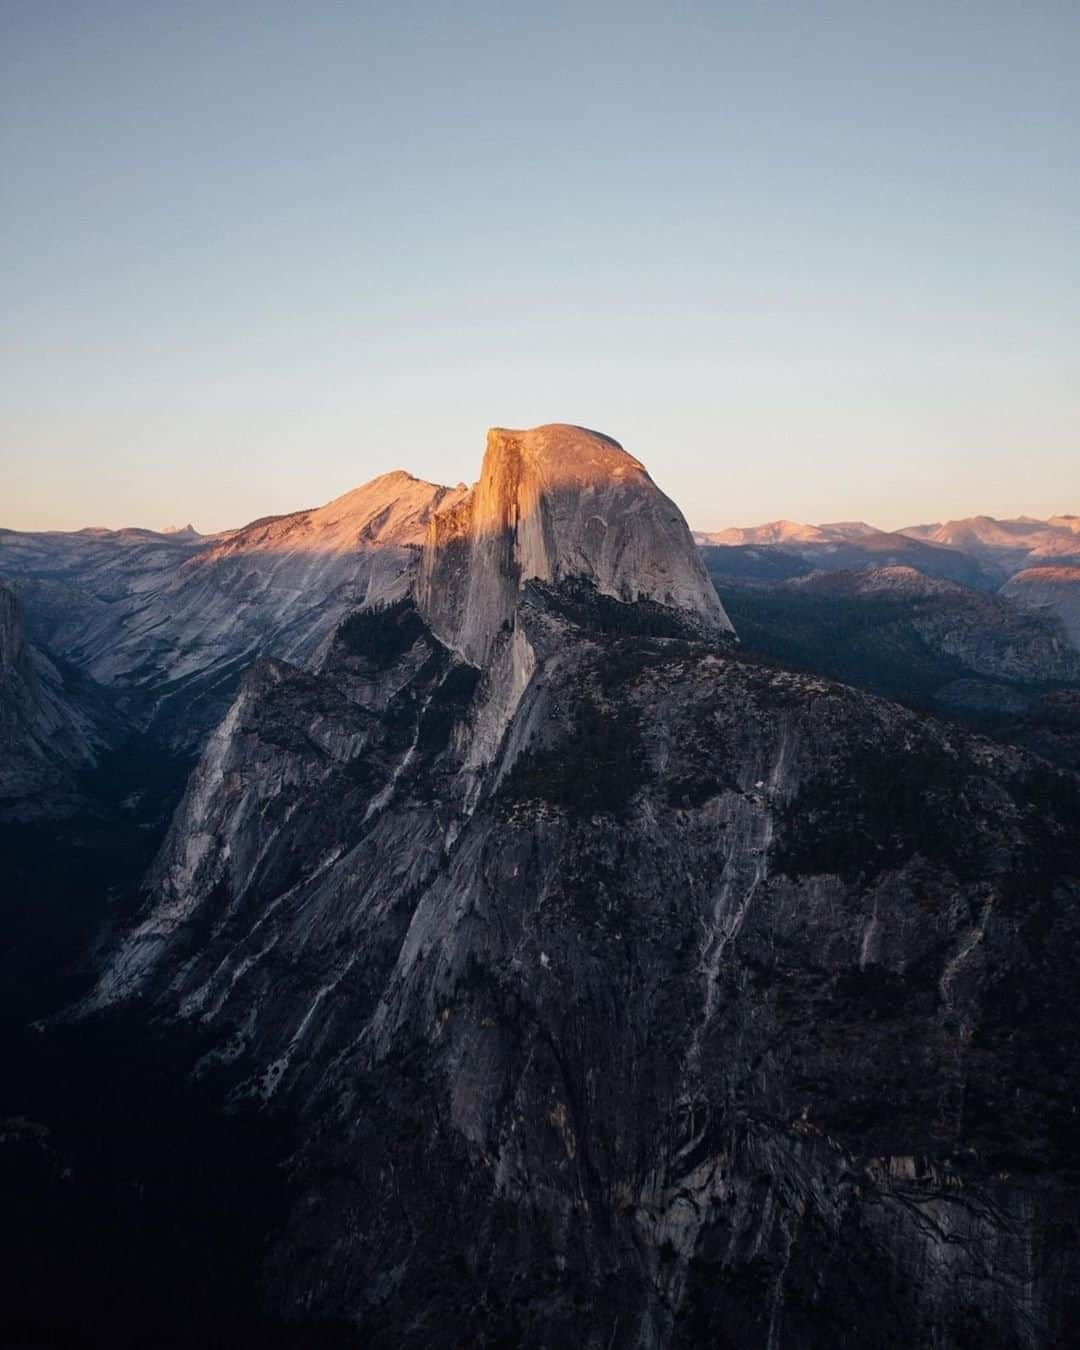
x: 553, y: 503
x: 627, y: 991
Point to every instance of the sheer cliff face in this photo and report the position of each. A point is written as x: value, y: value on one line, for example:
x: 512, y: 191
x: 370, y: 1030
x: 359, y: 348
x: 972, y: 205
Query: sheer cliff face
x: 552, y: 503
x: 714, y: 1004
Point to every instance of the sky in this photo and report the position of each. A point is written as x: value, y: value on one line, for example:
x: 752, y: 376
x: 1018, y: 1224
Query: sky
x: 804, y: 260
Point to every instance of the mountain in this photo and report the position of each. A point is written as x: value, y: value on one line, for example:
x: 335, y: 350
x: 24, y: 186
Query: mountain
x: 562, y: 520
x: 622, y: 988
x: 979, y: 551
x: 52, y: 724
x: 88, y: 578
x: 1007, y: 546
x: 553, y: 503
x: 172, y: 620
x: 1055, y: 590
x: 976, y: 633
x: 972, y: 655
x: 785, y: 548
x: 789, y: 532
x: 84, y: 802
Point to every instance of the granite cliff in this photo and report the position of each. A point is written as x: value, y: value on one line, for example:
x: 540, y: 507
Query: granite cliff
x: 626, y: 990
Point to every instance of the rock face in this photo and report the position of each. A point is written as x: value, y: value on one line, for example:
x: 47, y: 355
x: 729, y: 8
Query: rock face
x: 710, y: 1004
x: 51, y: 726
x: 80, y: 581
x: 1055, y: 590
x: 174, y: 619
x: 556, y: 502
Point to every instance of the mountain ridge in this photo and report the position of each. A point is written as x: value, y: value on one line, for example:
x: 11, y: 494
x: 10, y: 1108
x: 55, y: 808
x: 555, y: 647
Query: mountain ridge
x: 171, y: 621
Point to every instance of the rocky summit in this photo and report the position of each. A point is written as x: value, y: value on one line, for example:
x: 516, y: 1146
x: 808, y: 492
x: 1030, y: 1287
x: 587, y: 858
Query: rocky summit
x: 553, y: 503
x: 623, y: 988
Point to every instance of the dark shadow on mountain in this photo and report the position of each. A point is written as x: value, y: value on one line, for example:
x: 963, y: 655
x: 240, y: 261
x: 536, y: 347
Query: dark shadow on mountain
x: 955, y: 653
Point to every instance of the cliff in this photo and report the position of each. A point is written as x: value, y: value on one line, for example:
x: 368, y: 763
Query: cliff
x: 710, y: 1004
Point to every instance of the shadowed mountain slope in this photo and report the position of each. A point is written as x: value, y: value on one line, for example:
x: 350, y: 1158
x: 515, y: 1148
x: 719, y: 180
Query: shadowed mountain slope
x: 53, y: 723
x: 970, y: 655
x: 1054, y: 590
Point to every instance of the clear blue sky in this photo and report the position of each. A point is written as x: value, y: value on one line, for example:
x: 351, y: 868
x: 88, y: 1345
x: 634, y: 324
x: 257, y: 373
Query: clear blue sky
x: 810, y: 260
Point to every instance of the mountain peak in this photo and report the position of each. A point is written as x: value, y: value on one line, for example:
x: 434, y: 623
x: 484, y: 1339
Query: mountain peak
x: 393, y: 509
x: 564, y: 454
x: 773, y: 532
x: 555, y: 502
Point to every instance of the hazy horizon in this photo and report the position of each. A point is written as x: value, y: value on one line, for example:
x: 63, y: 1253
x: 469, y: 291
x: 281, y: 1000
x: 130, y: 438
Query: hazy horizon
x: 180, y: 521
x: 813, y: 263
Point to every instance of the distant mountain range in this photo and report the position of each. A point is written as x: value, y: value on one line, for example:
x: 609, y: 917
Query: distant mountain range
x: 1007, y: 544
x: 1012, y: 556
x: 1000, y: 547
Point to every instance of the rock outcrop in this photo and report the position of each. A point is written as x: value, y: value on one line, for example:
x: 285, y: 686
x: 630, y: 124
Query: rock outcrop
x: 710, y: 1004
